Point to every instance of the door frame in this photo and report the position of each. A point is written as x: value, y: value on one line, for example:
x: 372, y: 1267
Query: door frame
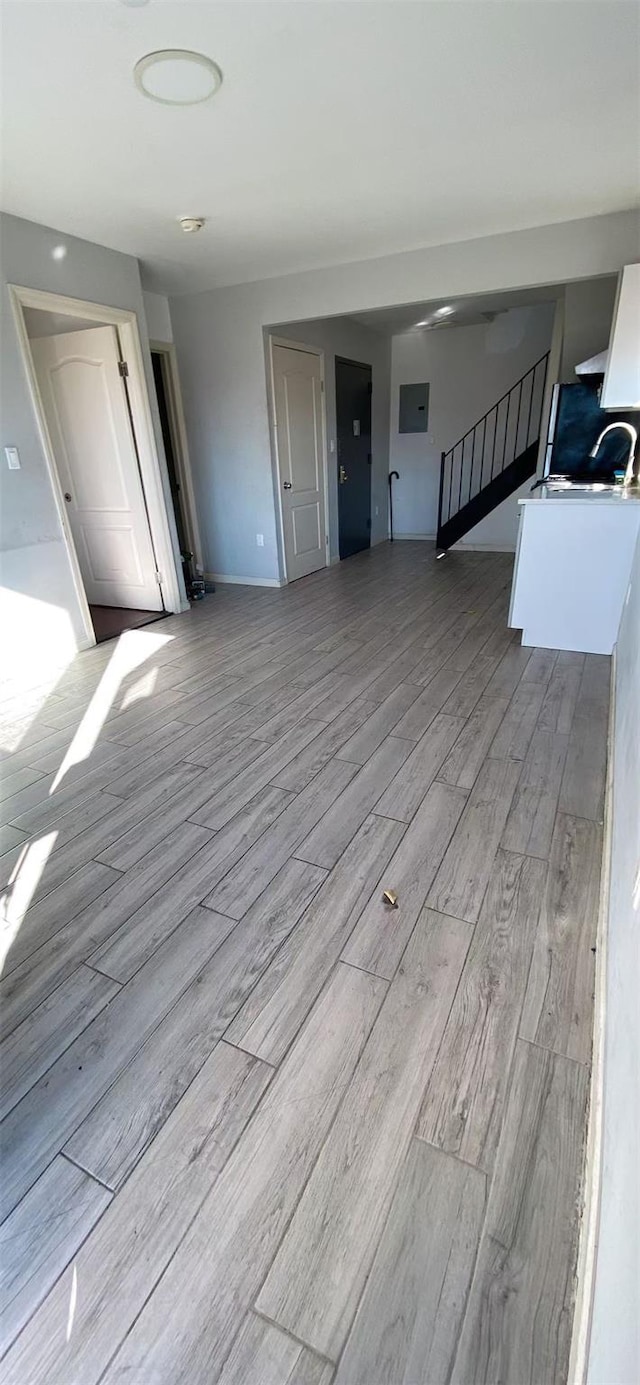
x: 126, y: 322
x: 364, y: 365
x: 178, y: 427
x: 273, y: 429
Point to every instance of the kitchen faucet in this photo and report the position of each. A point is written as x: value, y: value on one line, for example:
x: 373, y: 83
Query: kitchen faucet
x: 628, y: 475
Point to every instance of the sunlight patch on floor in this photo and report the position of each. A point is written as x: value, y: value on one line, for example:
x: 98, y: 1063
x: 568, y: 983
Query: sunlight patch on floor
x: 132, y: 649
x: 24, y: 881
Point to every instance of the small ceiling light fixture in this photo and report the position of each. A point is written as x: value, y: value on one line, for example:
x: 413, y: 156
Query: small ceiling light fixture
x: 177, y: 77
x: 444, y: 312
x: 191, y: 223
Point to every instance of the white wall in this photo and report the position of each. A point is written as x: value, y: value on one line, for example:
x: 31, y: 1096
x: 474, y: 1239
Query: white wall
x: 219, y: 340
x: 40, y: 606
x: 340, y: 337
x: 468, y: 369
x: 614, y: 1357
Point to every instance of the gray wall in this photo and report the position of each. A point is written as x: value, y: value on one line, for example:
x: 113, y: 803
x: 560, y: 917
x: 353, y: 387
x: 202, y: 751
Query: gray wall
x: 615, y: 1333
x: 340, y: 337
x: 33, y: 555
x: 468, y: 369
x: 219, y: 340
x: 588, y: 314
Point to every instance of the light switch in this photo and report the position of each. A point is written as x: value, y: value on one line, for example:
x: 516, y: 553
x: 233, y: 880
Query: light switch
x: 13, y: 458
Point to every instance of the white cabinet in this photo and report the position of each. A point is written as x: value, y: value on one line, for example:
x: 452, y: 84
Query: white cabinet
x: 621, y: 389
x: 572, y: 569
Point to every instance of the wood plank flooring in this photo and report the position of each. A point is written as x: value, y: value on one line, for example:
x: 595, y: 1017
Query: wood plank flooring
x: 257, y: 1127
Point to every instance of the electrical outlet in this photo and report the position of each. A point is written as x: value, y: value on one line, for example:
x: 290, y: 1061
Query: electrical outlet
x: 13, y: 458
x: 260, y: 540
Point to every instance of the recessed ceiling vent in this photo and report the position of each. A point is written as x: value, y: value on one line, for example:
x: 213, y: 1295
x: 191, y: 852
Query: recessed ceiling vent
x: 189, y: 224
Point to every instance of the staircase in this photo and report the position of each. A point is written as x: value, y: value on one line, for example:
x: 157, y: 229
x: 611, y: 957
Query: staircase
x: 493, y: 458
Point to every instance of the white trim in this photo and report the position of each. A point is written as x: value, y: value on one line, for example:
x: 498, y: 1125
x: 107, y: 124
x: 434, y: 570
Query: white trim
x: 273, y: 433
x: 243, y: 581
x: 463, y: 547
x: 592, y: 1184
x: 127, y: 323
x: 179, y: 429
x: 428, y: 538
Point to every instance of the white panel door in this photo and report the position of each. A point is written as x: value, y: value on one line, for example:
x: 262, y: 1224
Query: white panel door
x: 297, y: 384
x: 88, y: 418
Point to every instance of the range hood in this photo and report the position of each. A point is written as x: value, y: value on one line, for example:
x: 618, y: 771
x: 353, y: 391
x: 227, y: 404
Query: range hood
x: 596, y: 365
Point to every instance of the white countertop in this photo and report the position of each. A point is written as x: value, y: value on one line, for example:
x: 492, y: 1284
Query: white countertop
x: 575, y: 496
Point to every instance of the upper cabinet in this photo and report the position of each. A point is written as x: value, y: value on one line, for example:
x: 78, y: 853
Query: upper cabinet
x: 621, y: 388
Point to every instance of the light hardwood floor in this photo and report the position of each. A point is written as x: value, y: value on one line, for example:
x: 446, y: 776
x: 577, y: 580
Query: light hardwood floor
x: 258, y: 1128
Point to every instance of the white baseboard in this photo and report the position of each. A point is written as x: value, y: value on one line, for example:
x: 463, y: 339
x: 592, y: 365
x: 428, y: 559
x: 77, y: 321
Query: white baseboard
x: 483, y: 547
x: 461, y: 546
x: 243, y: 581
x: 428, y: 538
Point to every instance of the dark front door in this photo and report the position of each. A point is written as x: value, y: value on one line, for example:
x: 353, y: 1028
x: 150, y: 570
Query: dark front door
x: 353, y: 423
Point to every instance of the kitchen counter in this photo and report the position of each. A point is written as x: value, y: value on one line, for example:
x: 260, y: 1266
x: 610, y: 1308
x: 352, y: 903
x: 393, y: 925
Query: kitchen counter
x: 573, y: 559
x: 587, y: 495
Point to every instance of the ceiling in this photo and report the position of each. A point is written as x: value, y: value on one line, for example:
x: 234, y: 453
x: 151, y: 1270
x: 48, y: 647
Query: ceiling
x: 342, y: 130
x: 41, y: 323
x: 467, y: 312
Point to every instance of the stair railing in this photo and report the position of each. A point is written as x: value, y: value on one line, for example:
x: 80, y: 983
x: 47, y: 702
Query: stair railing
x: 493, y: 443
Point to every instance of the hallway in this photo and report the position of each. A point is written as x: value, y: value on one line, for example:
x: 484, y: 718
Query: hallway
x: 259, y: 1126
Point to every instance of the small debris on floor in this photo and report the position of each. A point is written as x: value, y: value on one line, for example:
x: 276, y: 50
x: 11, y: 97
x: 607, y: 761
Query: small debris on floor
x: 390, y: 897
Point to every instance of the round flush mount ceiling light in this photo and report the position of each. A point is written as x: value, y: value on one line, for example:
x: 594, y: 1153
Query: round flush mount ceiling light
x: 177, y: 77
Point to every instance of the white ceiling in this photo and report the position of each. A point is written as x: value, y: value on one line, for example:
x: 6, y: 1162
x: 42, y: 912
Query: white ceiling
x: 342, y: 130
x: 467, y: 311
x: 41, y: 323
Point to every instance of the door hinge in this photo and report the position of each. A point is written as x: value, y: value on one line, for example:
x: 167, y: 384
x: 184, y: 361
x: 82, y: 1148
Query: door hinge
x: 158, y: 578
x: 123, y: 369
x: 322, y: 386
x: 370, y: 387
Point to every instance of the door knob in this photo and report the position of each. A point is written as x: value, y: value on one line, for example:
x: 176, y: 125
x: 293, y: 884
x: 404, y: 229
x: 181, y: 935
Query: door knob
x: 342, y: 475
x: 286, y: 485
x: 67, y: 495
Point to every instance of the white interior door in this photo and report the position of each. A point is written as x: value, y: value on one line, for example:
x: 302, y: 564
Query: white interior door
x: 297, y: 384
x: 88, y: 417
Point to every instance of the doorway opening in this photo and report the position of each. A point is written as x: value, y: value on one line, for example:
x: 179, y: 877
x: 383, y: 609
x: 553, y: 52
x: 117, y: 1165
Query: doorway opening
x: 85, y: 371
x: 353, y: 430
x: 167, y: 384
